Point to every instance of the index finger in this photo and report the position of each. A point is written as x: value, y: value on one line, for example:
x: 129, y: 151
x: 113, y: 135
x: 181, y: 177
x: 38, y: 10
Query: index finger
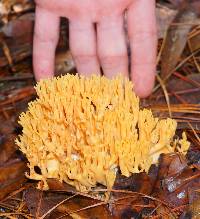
x: 46, y: 35
x: 143, y: 44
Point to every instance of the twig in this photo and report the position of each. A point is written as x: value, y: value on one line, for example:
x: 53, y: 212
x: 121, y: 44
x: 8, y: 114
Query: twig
x: 176, y: 68
x: 17, y: 78
x: 195, y: 133
x: 50, y: 210
x: 83, y: 209
x: 166, y: 94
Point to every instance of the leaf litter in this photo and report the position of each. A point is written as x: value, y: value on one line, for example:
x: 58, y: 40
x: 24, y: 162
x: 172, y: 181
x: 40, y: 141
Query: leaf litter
x: 170, y: 190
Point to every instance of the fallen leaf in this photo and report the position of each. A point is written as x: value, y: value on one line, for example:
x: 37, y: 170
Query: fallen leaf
x: 8, y: 148
x: 11, y: 177
x: 176, y: 40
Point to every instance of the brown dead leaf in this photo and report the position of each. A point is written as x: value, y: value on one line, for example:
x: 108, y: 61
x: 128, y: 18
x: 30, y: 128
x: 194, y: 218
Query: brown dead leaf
x: 180, y: 90
x: 136, y: 183
x: 126, y: 206
x: 6, y: 128
x: 193, y: 154
x: 15, y: 28
x: 165, y: 213
x: 184, y: 96
x: 11, y: 176
x: 173, y: 187
x: 187, y: 90
x: 17, y: 95
x: 58, y: 186
x: 64, y: 62
x: 194, y: 200
x: 176, y: 40
x: 177, y: 165
x: 40, y: 203
x: 83, y: 207
x: 164, y: 16
x: 8, y: 148
x: 13, y: 6
x: 195, y: 42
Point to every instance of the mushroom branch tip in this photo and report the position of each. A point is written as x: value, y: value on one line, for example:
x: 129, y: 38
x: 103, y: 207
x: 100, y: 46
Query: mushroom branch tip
x: 83, y: 130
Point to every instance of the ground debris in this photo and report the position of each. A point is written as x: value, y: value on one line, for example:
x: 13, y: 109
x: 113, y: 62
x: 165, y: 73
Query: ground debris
x: 170, y: 190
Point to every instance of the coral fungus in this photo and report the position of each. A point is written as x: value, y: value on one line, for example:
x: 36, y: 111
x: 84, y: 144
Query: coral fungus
x: 83, y: 130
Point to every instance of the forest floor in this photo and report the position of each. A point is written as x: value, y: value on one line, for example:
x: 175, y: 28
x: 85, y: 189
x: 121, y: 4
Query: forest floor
x: 170, y: 190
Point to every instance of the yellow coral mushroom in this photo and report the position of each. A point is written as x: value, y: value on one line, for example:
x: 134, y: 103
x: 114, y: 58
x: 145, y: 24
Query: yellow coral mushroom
x: 82, y: 130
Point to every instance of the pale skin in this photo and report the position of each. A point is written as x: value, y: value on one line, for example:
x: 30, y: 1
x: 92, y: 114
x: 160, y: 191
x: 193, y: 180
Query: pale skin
x: 97, y: 38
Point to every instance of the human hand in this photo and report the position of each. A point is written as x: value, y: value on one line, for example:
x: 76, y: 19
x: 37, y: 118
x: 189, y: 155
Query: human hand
x: 103, y: 45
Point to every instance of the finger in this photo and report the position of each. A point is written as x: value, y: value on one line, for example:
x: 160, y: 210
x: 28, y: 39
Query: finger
x: 143, y: 44
x: 112, y: 50
x: 82, y: 40
x: 46, y: 35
